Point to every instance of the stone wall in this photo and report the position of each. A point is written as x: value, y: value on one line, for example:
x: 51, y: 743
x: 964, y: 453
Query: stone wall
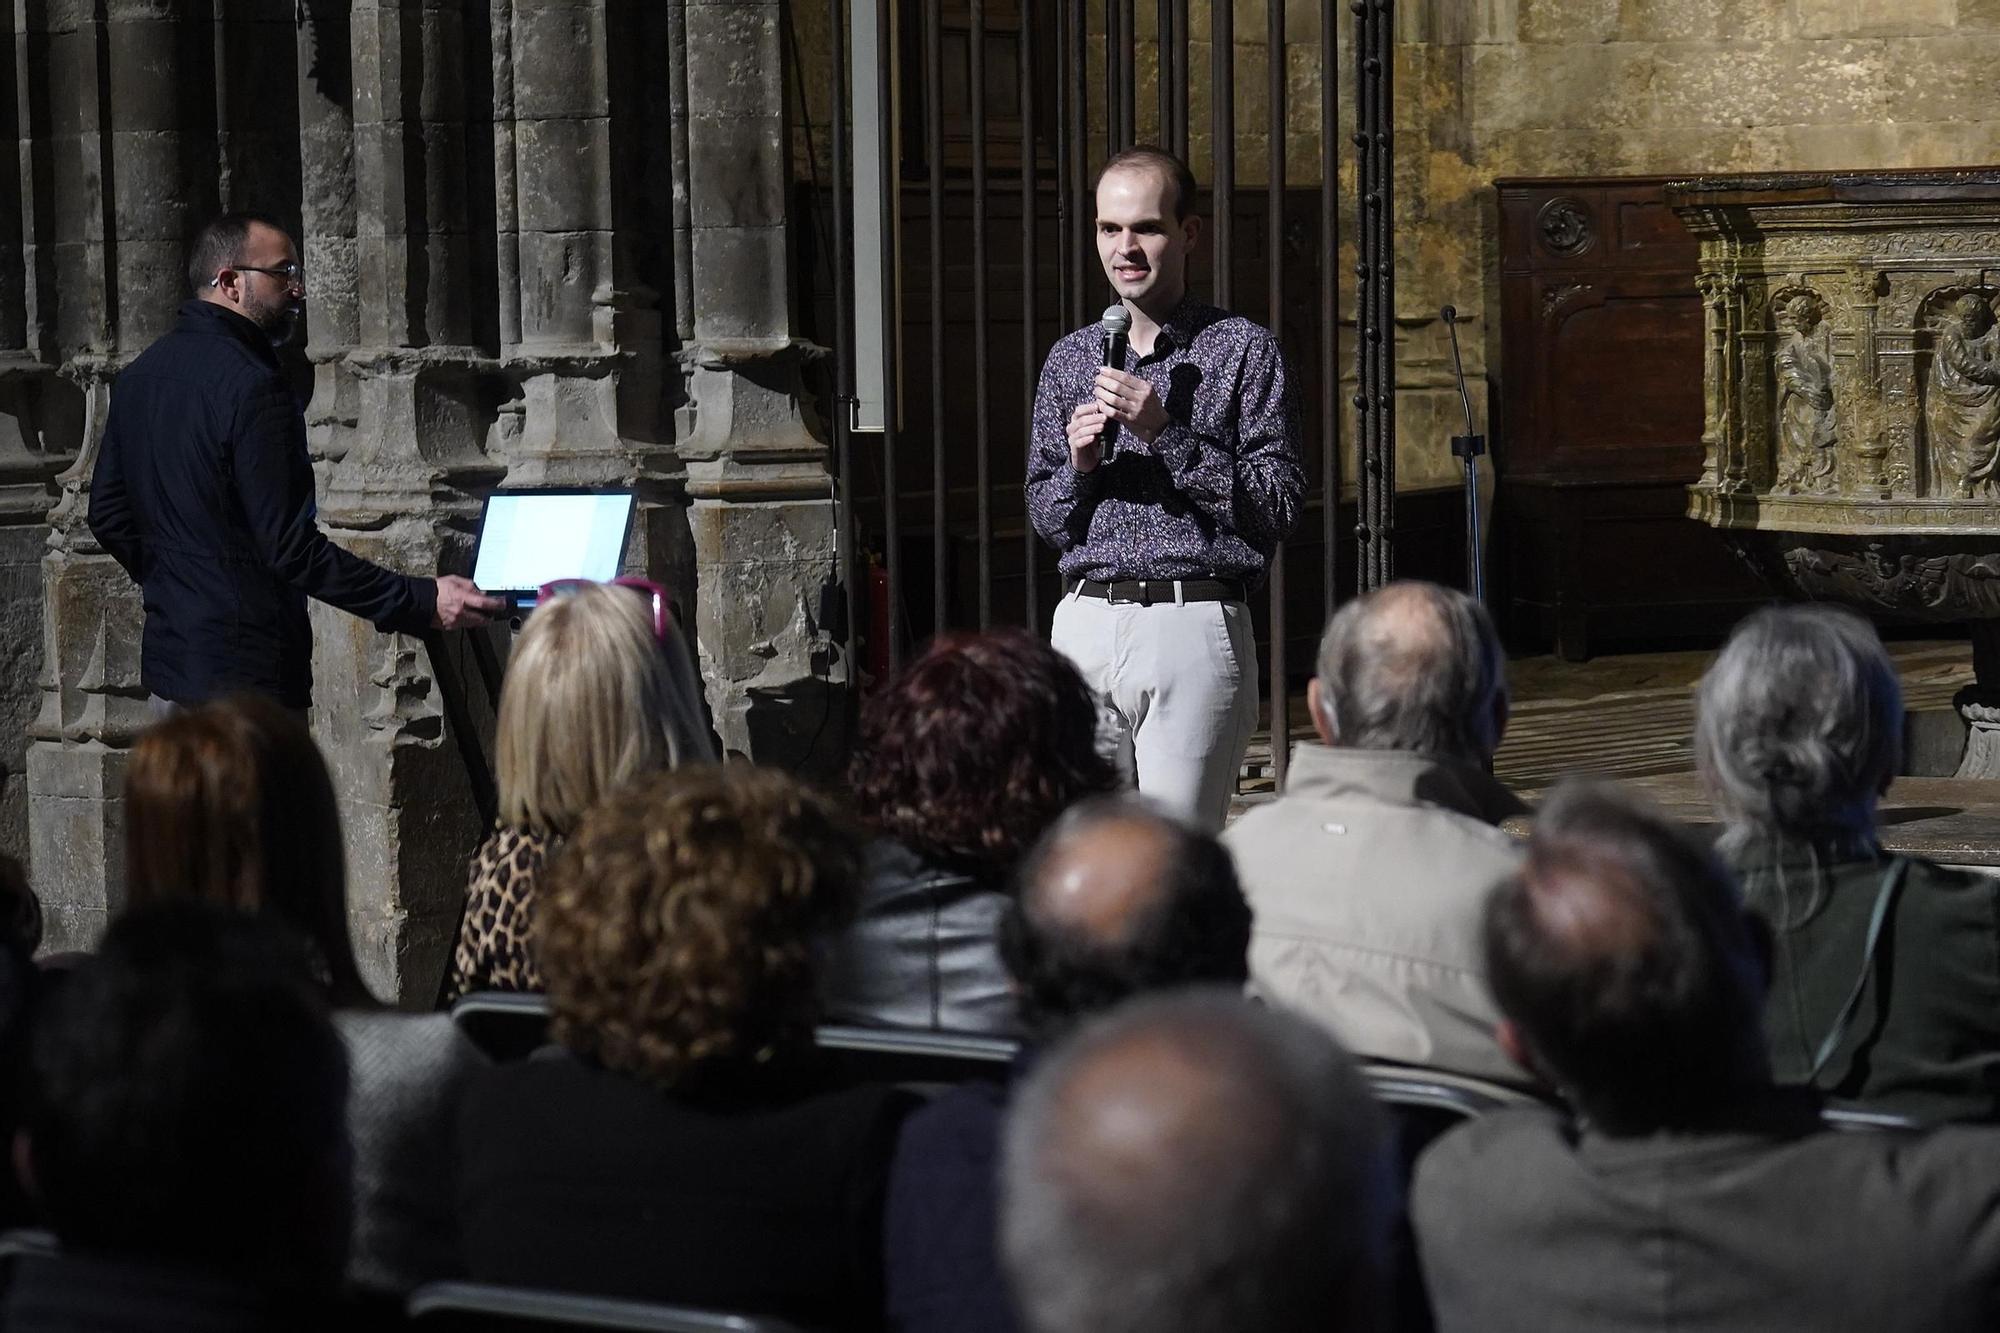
x: 1495, y: 88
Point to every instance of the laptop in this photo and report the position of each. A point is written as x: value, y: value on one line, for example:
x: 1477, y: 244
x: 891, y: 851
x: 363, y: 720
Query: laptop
x: 531, y: 537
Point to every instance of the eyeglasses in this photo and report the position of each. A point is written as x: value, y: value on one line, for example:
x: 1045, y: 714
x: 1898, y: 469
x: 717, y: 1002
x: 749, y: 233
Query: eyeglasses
x: 293, y: 275
x: 664, y: 610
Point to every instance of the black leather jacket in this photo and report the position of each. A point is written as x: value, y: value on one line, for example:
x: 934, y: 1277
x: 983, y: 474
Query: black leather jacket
x: 923, y: 951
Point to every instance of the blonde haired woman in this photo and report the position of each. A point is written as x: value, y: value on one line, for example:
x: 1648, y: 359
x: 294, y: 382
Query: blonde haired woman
x: 601, y: 689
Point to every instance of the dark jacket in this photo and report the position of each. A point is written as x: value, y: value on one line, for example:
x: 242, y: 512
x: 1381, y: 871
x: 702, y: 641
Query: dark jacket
x: 922, y: 952
x: 574, y: 1177
x: 1527, y: 1224
x: 204, y: 493
x: 1924, y: 1039
x: 941, y: 1250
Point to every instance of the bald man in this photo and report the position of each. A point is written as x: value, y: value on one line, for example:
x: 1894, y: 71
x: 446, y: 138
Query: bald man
x: 1197, y: 1164
x: 1688, y: 1192
x: 1118, y: 899
x: 1368, y: 874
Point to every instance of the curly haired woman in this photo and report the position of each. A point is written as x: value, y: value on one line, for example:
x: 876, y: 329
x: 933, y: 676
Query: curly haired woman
x: 679, y: 1149
x: 963, y: 760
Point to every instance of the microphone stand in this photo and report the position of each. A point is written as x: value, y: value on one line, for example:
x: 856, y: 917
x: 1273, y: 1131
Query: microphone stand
x: 1467, y: 447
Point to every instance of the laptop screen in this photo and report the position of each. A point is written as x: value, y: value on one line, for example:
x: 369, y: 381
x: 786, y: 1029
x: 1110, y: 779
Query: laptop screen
x: 528, y: 538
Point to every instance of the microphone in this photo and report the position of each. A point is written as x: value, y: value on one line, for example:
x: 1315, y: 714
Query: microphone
x: 1116, y: 323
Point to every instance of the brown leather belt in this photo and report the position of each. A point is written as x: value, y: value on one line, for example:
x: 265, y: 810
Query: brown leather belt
x: 1150, y: 592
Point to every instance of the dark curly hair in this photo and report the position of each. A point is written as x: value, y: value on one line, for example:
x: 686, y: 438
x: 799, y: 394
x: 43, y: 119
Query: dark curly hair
x: 676, y: 940
x: 976, y: 747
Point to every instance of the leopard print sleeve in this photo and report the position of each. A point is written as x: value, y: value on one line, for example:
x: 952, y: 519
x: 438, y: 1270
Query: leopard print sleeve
x: 494, y: 950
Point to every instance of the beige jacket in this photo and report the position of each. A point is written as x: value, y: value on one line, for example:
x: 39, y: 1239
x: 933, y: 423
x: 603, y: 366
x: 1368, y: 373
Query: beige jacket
x: 1368, y: 877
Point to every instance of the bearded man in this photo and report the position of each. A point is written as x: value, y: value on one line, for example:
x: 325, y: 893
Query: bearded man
x: 203, y: 491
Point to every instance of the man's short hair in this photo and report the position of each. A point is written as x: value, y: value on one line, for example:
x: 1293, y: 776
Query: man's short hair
x: 1412, y: 666
x: 1196, y: 1163
x: 1799, y: 726
x: 1145, y: 157
x: 188, y: 1103
x: 220, y: 244
x: 1195, y: 929
x: 1622, y: 954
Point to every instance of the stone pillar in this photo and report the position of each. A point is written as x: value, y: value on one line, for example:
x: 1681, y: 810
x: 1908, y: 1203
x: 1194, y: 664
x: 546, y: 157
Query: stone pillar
x: 327, y: 221
x: 581, y: 268
x: 125, y: 191
x: 424, y: 394
x: 762, y: 513
x: 39, y: 422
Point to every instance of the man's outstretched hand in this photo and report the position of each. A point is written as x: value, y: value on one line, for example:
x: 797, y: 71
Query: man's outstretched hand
x: 460, y: 604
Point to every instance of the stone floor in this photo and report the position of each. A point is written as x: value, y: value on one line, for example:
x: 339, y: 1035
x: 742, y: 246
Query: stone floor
x: 1632, y: 717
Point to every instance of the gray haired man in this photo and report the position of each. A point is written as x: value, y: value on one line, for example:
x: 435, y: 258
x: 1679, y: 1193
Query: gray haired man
x: 1690, y: 1192
x: 1196, y: 1164
x: 1367, y: 876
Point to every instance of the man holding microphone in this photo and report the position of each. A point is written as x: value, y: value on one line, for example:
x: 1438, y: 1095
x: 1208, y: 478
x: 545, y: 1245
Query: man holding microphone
x: 1165, y: 481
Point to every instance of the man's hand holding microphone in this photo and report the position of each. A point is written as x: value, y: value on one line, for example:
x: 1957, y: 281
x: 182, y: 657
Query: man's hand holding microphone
x: 1121, y: 399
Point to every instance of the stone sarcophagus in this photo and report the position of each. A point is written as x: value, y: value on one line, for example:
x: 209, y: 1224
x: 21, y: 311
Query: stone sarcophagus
x: 1852, y: 378
x: 1852, y: 374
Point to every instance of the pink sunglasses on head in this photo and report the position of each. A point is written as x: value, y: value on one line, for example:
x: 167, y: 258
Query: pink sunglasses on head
x: 664, y: 611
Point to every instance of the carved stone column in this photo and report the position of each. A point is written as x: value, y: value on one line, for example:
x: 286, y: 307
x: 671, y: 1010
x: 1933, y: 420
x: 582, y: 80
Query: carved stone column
x: 113, y: 292
x: 762, y: 512
x: 403, y: 493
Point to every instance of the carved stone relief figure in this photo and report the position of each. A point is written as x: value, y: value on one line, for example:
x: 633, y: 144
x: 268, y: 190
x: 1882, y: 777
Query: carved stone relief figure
x: 1804, y: 374
x: 1962, y: 414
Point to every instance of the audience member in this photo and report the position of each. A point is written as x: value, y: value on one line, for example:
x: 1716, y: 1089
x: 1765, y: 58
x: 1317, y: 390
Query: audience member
x: 599, y: 690
x: 963, y: 759
x: 1117, y: 900
x: 1693, y: 1194
x: 1885, y: 981
x: 230, y: 803
x: 678, y: 1148
x: 185, y: 1136
x: 1197, y: 1164
x: 1368, y: 874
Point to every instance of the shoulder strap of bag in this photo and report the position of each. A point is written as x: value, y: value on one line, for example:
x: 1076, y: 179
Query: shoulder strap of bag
x: 1885, y: 899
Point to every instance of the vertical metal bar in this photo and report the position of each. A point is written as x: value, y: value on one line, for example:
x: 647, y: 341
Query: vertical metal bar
x: 1067, y: 115
x: 1114, y: 86
x: 1329, y: 301
x: 892, y: 396
x: 843, y: 352
x: 1171, y: 53
x: 934, y: 152
x: 1030, y: 280
x: 1375, y: 351
x: 982, y: 462
x: 1128, y: 77
x: 1083, y: 209
x: 1222, y: 116
x: 1177, y: 137
x: 1274, y: 138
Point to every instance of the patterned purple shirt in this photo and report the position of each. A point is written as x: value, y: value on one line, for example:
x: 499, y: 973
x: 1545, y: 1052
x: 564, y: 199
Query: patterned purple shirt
x: 1212, y: 495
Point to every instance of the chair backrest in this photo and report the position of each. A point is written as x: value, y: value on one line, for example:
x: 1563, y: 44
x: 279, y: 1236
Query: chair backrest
x: 506, y: 1025
x: 1855, y: 1120
x: 1424, y: 1103
x: 893, y: 1055
x: 475, y: 1305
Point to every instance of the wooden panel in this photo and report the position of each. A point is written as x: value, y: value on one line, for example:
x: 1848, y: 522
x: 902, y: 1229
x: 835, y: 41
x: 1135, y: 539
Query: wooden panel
x: 1598, y: 422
